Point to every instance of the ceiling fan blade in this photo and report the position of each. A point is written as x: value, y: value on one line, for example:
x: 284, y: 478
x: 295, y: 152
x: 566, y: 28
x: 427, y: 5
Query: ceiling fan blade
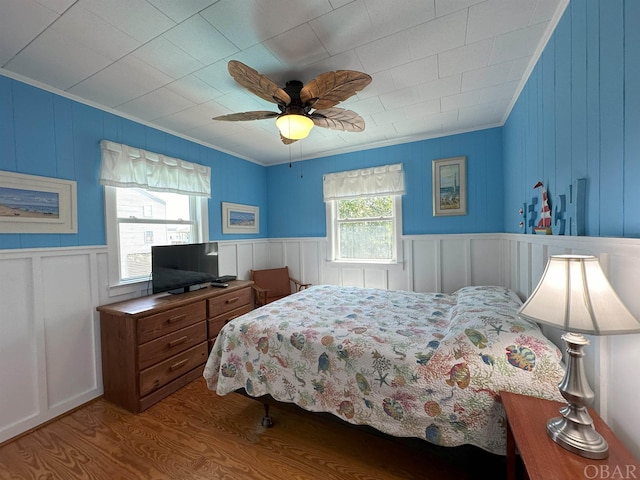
x: 244, y: 116
x: 257, y: 83
x: 338, y: 119
x: 330, y: 88
x: 287, y: 141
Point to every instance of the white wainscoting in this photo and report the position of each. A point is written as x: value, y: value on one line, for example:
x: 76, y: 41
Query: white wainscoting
x: 50, y: 342
x: 611, y: 362
x: 431, y: 263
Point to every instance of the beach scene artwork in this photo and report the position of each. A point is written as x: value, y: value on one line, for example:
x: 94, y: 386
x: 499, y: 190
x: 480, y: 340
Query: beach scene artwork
x: 238, y: 218
x: 450, y: 187
x: 35, y: 204
x: 242, y: 219
x: 23, y: 203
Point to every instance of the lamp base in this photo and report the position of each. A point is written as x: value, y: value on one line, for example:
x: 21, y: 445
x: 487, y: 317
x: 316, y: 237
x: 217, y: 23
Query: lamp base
x: 578, y: 438
x: 574, y: 429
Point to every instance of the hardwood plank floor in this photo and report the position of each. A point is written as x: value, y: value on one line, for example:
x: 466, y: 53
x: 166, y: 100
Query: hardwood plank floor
x: 195, y: 434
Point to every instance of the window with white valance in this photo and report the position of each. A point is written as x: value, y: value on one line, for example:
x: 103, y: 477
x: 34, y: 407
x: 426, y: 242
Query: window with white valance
x: 150, y: 199
x: 130, y: 167
x: 364, y: 214
x: 374, y: 181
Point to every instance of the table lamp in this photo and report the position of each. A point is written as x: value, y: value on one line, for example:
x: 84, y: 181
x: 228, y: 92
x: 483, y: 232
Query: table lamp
x: 575, y: 295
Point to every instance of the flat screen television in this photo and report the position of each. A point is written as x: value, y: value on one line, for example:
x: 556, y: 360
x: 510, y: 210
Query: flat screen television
x: 179, y: 268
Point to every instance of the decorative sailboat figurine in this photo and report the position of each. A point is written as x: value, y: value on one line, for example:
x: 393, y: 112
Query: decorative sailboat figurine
x: 544, y: 224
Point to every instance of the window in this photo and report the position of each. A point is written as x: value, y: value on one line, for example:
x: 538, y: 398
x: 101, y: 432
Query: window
x: 364, y: 214
x: 150, y: 199
x: 365, y: 229
x: 175, y: 220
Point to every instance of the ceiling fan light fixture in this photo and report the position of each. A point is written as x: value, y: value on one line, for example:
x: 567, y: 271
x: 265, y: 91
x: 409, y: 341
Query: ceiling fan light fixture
x: 294, y: 126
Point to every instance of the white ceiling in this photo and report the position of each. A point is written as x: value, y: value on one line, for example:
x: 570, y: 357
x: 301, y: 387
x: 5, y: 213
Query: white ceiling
x: 438, y: 66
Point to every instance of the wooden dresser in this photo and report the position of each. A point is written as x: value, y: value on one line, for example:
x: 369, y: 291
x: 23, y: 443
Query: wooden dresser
x: 154, y: 345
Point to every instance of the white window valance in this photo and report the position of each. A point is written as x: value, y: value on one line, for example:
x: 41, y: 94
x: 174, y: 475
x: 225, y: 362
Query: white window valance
x: 125, y: 166
x: 374, y: 181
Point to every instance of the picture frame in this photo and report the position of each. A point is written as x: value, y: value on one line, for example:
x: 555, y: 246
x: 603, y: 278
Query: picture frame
x: 34, y: 204
x: 449, y: 186
x: 239, y: 218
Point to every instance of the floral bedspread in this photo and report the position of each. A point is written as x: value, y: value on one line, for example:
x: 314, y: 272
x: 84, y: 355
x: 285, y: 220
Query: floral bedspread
x: 409, y: 364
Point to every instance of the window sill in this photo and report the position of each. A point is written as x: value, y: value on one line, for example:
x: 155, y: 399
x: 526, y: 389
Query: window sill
x: 138, y: 287
x: 361, y: 264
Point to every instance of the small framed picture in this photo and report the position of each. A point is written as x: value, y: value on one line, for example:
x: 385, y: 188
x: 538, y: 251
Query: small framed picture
x: 449, y: 186
x: 238, y: 218
x: 33, y: 204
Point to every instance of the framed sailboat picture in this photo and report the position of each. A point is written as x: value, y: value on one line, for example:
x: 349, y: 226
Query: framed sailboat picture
x: 449, y: 186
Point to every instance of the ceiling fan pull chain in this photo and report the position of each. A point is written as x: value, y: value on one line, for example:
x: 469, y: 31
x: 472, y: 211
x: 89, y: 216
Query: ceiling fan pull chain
x: 301, y: 176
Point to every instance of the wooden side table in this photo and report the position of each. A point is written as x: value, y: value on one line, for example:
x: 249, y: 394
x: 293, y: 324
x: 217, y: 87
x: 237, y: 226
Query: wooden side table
x: 546, y: 460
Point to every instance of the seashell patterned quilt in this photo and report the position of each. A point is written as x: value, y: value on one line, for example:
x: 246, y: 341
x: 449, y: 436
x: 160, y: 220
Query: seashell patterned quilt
x: 426, y: 365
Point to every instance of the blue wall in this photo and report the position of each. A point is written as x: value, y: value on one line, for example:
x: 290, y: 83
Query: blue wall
x: 296, y: 208
x: 48, y: 135
x: 45, y: 134
x: 579, y: 117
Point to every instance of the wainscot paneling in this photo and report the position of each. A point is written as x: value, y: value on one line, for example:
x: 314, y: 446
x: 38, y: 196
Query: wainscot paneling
x: 469, y: 259
x: 50, y: 342
x: 610, y: 361
x: 50, y: 345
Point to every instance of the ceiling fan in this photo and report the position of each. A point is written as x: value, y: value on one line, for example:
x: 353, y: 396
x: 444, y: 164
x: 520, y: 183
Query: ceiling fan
x: 302, y: 106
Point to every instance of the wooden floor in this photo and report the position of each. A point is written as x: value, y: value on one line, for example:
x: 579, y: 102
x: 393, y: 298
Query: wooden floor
x: 194, y: 434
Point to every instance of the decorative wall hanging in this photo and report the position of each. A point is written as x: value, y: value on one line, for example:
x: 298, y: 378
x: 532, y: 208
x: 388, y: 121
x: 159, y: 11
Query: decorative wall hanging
x: 33, y: 204
x: 544, y: 224
x: 237, y: 218
x: 449, y: 186
x: 569, y: 216
x: 565, y: 216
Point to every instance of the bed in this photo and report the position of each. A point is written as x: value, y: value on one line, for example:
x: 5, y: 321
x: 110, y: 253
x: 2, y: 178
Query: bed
x: 425, y: 365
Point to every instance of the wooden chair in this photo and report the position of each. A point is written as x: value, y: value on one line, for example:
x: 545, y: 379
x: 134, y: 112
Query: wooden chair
x: 273, y: 284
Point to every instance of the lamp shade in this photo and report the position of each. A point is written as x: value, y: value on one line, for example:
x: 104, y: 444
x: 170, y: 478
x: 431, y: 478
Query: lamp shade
x: 293, y: 126
x: 575, y: 295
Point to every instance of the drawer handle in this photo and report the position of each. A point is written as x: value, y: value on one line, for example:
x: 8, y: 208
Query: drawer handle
x: 233, y: 300
x: 177, y: 318
x: 177, y: 341
x: 179, y: 364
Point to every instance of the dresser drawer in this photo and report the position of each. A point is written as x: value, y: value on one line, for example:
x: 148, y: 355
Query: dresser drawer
x: 216, y: 324
x: 157, y: 350
x: 160, y: 324
x: 155, y: 377
x: 229, y: 301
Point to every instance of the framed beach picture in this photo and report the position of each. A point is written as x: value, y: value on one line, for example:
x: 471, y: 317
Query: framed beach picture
x: 449, y: 186
x: 33, y: 204
x: 238, y: 218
